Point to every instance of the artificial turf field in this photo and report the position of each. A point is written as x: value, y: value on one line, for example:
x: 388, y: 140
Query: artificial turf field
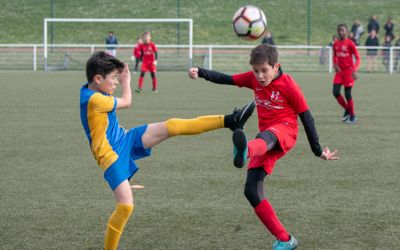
x: 53, y: 195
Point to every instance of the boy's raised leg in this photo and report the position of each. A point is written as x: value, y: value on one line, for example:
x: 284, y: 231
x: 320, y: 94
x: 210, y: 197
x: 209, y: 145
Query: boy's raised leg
x: 239, y: 148
x: 239, y: 117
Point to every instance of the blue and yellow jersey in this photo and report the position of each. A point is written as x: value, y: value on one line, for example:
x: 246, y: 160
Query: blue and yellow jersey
x: 99, y: 119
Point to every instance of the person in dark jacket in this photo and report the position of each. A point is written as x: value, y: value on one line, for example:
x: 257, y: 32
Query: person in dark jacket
x: 372, y: 41
x: 373, y: 24
x: 389, y: 25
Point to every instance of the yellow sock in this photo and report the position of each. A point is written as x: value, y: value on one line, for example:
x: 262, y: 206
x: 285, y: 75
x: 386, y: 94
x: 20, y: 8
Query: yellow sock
x: 194, y: 126
x: 116, y: 224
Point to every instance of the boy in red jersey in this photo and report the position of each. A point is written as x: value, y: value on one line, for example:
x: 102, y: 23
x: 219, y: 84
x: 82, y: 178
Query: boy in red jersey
x: 136, y: 53
x: 279, y: 101
x: 345, y: 68
x: 149, y: 61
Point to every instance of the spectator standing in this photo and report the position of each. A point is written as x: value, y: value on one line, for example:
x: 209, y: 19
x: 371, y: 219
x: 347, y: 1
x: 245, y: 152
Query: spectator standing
x: 372, y: 40
x: 358, y: 31
x: 397, y: 60
x: 324, y: 50
x: 386, y: 52
x: 334, y: 39
x: 268, y: 39
x: 111, y: 39
x: 351, y: 37
x: 373, y: 24
x: 389, y: 25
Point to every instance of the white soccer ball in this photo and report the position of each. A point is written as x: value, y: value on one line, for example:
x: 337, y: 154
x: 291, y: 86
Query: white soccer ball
x: 249, y: 22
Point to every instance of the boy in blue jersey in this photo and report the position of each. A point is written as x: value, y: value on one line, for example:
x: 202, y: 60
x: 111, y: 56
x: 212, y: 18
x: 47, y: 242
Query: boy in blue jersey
x: 115, y: 148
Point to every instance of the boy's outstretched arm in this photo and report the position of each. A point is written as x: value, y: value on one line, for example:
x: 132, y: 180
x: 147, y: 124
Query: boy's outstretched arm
x: 125, y: 100
x: 211, y: 75
x: 313, y: 139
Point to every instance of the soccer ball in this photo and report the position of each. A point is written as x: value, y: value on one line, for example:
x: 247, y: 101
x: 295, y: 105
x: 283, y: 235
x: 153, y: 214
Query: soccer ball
x: 249, y: 22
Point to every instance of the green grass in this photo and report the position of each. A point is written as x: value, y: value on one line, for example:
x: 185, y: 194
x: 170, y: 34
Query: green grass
x: 22, y: 20
x: 53, y: 195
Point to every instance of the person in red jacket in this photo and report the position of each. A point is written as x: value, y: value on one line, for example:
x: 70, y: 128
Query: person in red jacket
x: 136, y: 53
x: 149, y: 56
x: 344, y: 50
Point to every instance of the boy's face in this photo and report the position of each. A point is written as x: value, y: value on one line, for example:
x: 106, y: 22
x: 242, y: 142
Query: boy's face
x: 265, y: 73
x: 342, y: 32
x: 146, y: 38
x: 107, y: 84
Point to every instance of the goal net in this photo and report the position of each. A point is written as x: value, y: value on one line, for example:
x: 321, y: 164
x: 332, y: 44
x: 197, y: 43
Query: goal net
x: 60, y: 35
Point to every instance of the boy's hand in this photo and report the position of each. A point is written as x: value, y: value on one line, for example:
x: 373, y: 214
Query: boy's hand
x: 193, y: 73
x: 155, y: 62
x: 328, y: 155
x: 354, y: 75
x: 125, y: 76
x: 336, y: 67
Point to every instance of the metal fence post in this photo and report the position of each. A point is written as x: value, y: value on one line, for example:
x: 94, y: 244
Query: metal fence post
x: 210, y: 58
x: 34, y: 57
x: 330, y: 60
x: 391, y: 60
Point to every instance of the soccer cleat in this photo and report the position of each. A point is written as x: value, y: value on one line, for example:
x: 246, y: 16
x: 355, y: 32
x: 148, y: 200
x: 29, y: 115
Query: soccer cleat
x: 352, y: 119
x: 239, y: 148
x: 154, y: 91
x: 239, y: 117
x: 138, y: 90
x: 346, y: 116
x: 285, y: 245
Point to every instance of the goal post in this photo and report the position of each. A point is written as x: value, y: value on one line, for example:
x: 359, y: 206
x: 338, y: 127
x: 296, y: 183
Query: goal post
x: 117, y: 20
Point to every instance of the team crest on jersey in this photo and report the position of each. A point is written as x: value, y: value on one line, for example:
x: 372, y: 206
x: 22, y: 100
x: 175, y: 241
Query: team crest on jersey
x: 275, y: 96
x: 343, y: 52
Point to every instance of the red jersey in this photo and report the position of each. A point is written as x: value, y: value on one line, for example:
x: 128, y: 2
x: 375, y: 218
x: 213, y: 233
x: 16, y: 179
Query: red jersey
x: 277, y: 103
x: 343, y: 51
x: 136, y: 51
x: 148, y: 52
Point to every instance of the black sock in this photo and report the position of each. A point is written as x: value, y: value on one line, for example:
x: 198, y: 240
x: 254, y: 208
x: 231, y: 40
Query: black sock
x: 228, y: 121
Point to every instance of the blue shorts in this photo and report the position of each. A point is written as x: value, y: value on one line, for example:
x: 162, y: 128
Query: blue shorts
x: 131, y: 149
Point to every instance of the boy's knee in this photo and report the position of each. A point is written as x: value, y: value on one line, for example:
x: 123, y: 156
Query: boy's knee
x: 172, y: 126
x: 251, y: 193
x: 336, y: 92
x: 347, y: 93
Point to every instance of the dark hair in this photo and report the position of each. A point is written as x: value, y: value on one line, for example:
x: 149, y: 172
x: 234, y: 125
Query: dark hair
x: 342, y: 25
x: 264, y: 53
x: 101, y: 63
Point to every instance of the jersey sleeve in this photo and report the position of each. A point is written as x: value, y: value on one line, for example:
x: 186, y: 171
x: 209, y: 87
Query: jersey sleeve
x: 244, y: 79
x: 335, y: 59
x: 154, y: 47
x: 296, y: 98
x: 103, y: 103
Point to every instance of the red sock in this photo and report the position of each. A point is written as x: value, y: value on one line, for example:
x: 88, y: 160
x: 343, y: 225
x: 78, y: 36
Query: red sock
x: 256, y: 147
x: 140, y: 86
x: 154, y: 83
x: 266, y: 214
x: 341, y: 101
x: 350, y: 105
